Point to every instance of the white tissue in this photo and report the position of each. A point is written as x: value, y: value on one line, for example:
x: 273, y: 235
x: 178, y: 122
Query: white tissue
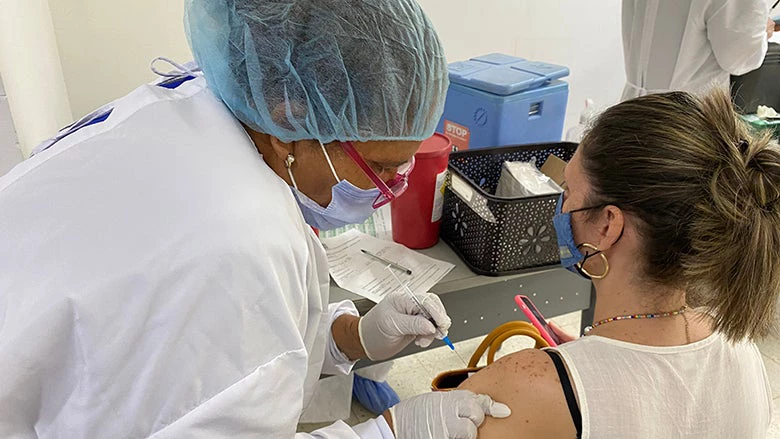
x: 765, y: 112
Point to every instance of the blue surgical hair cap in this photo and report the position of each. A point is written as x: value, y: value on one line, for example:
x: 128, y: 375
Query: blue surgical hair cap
x: 330, y: 70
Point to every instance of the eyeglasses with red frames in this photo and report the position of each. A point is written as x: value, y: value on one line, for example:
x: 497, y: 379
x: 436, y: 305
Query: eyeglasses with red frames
x: 388, y: 191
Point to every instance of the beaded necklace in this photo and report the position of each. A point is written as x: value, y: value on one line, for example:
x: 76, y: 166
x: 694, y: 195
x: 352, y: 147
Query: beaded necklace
x: 640, y: 316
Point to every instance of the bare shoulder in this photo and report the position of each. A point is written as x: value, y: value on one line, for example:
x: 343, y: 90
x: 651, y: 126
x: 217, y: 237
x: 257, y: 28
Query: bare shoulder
x: 528, y: 383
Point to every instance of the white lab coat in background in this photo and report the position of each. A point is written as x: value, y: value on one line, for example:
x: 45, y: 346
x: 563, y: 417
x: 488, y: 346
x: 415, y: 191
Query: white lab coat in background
x: 157, y: 280
x: 691, y: 45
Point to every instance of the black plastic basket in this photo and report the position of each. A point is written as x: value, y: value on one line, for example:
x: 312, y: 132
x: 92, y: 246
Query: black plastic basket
x: 495, y: 235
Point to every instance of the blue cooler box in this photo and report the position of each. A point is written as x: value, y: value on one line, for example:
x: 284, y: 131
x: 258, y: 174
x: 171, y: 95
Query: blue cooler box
x: 498, y: 100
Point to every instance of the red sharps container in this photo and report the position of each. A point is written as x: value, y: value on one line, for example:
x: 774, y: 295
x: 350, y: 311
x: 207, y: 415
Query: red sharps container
x: 416, y: 214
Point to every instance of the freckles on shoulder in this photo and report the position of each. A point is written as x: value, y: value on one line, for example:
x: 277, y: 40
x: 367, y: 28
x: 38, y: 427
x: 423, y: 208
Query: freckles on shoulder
x: 529, y: 367
x: 528, y: 383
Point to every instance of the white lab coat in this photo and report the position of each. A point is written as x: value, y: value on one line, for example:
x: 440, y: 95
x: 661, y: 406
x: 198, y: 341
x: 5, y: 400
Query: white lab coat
x: 157, y: 280
x: 691, y: 45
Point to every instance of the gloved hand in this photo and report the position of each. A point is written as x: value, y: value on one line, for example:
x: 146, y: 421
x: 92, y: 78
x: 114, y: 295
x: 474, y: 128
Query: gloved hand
x: 445, y: 415
x: 396, y: 321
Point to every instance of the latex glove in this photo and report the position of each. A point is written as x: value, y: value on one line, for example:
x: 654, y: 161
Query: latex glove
x: 454, y: 414
x: 396, y: 321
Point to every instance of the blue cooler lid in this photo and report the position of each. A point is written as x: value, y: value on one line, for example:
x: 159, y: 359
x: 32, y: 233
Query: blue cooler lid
x: 503, y: 74
x: 498, y: 59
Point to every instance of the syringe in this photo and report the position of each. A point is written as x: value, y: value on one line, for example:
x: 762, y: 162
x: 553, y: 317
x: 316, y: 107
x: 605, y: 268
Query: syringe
x: 423, y: 310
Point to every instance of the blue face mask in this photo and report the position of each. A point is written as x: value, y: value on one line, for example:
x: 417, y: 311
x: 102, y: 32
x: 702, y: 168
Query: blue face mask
x: 349, y: 204
x: 571, y: 257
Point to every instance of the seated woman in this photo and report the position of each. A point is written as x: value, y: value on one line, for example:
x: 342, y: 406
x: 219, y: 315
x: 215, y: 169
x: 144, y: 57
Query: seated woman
x: 672, y: 209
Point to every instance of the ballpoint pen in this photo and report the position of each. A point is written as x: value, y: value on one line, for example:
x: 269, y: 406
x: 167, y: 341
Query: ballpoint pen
x: 383, y: 260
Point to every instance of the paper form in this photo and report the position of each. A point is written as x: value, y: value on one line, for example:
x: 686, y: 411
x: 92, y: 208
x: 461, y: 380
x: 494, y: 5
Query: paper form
x: 369, y: 278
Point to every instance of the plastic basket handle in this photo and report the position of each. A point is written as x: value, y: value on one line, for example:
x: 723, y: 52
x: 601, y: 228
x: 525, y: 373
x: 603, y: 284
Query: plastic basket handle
x: 493, y: 341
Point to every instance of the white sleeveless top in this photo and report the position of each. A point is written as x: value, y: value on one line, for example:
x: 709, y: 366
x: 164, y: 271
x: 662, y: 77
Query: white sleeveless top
x: 708, y: 389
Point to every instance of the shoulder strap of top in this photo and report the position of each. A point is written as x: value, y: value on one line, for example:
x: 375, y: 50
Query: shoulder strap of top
x: 568, y: 391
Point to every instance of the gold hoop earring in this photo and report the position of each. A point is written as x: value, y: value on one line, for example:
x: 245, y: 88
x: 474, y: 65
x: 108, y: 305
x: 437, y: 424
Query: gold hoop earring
x: 603, y: 258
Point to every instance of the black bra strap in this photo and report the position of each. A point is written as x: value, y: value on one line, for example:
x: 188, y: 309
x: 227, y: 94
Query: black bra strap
x: 568, y: 391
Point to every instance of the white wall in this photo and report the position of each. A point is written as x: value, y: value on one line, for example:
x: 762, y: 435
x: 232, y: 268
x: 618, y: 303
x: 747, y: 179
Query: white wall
x: 582, y: 35
x: 106, y: 47
x: 10, y: 155
x: 31, y: 70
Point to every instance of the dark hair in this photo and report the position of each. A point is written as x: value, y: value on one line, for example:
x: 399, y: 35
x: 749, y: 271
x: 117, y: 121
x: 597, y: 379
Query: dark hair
x: 706, y: 191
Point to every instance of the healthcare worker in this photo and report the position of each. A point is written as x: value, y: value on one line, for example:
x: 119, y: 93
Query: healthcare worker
x: 691, y: 45
x: 158, y: 273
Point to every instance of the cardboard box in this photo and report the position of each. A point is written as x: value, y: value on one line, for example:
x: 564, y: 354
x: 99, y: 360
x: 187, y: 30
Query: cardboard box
x: 554, y: 168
